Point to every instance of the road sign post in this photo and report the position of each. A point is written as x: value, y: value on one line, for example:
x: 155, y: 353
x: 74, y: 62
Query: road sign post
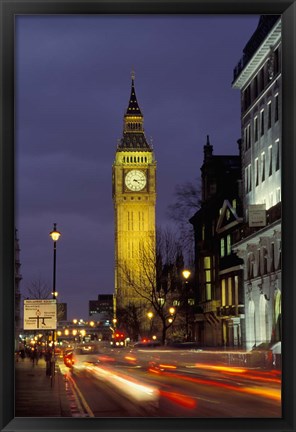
x: 40, y: 314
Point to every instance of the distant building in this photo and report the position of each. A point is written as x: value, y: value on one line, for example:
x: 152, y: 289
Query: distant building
x: 17, y: 293
x: 102, y: 308
x: 258, y: 242
x: 62, y: 311
x: 219, y: 297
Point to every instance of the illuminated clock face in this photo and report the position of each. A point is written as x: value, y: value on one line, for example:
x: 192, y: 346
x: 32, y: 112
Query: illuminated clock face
x: 135, y: 180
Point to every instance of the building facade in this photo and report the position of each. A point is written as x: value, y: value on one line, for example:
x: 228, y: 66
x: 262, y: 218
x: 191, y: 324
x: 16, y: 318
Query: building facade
x: 134, y: 198
x: 102, y: 308
x: 258, y: 241
x: 219, y: 320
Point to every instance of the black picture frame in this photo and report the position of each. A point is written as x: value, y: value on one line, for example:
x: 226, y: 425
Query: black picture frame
x: 9, y: 9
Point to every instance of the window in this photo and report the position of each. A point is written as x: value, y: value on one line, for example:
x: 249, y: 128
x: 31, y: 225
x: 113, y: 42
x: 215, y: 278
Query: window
x: 276, y: 108
x: 250, y: 178
x: 256, y: 129
x: 247, y: 97
x: 229, y: 291
x: 277, y: 161
x: 278, y: 195
x: 208, y: 278
x: 263, y: 167
x: 223, y: 293
x: 256, y: 172
x: 269, y: 115
x: 261, y: 74
x: 270, y: 159
x: 228, y: 246
x: 222, y: 247
x: 262, y: 122
x: 236, y: 299
x: 247, y: 137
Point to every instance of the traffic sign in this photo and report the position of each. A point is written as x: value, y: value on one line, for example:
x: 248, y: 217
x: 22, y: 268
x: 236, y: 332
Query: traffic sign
x: 40, y: 314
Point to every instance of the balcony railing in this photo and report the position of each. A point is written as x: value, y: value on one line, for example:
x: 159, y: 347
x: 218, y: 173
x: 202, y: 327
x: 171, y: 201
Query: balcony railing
x: 211, y: 305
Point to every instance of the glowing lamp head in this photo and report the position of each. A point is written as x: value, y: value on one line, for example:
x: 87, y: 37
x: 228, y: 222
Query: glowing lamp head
x: 54, y: 234
x: 186, y: 274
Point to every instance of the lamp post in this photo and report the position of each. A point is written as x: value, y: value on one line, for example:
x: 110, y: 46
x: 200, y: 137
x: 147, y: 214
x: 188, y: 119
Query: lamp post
x: 186, y: 274
x: 150, y: 316
x: 55, y: 235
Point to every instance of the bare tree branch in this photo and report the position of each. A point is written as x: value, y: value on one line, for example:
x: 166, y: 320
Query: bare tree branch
x: 187, y: 202
x: 155, y: 278
x: 38, y: 290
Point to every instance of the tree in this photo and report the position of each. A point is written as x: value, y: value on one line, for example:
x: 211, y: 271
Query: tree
x: 129, y: 320
x: 187, y: 202
x: 155, y: 278
x: 38, y: 290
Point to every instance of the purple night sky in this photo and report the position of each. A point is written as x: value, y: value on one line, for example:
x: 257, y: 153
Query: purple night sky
x: 73, y: 78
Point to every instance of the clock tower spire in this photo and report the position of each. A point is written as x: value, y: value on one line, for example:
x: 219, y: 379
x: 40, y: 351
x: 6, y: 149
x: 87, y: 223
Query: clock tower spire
x: 134, y: 198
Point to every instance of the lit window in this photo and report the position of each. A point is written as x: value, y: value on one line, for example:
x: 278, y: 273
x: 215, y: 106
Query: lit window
x: 222, y: 247
x: 228, y: 244
x: 207, y: 269
x: 208, y: 292
x: 223, y: 293
x: 229, y: 291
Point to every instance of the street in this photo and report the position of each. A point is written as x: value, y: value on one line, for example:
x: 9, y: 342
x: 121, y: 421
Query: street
x: 171, y: 383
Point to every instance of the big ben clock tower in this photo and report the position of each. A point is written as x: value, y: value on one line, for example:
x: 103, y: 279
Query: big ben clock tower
x: 134, y: 198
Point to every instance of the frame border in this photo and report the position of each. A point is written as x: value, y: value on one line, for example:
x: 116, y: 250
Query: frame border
x: 8, y: 10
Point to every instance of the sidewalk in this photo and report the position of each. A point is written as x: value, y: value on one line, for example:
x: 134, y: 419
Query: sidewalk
x: 34, y: 396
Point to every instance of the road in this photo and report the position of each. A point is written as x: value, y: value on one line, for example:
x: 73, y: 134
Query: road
x: 172, y: 383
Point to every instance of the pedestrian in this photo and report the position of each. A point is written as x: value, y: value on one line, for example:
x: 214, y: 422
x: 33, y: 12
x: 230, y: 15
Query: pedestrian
x: 47, y: 357
x: 22, y: 353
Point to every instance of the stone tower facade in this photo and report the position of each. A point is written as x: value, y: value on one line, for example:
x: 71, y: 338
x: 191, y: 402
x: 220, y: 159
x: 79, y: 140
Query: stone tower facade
x: 134, y: 198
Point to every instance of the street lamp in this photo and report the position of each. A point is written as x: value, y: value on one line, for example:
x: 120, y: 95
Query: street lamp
x: 55, y: 235
x: 172, y: 310
x: 150, y: 316
x: 186, y: 274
